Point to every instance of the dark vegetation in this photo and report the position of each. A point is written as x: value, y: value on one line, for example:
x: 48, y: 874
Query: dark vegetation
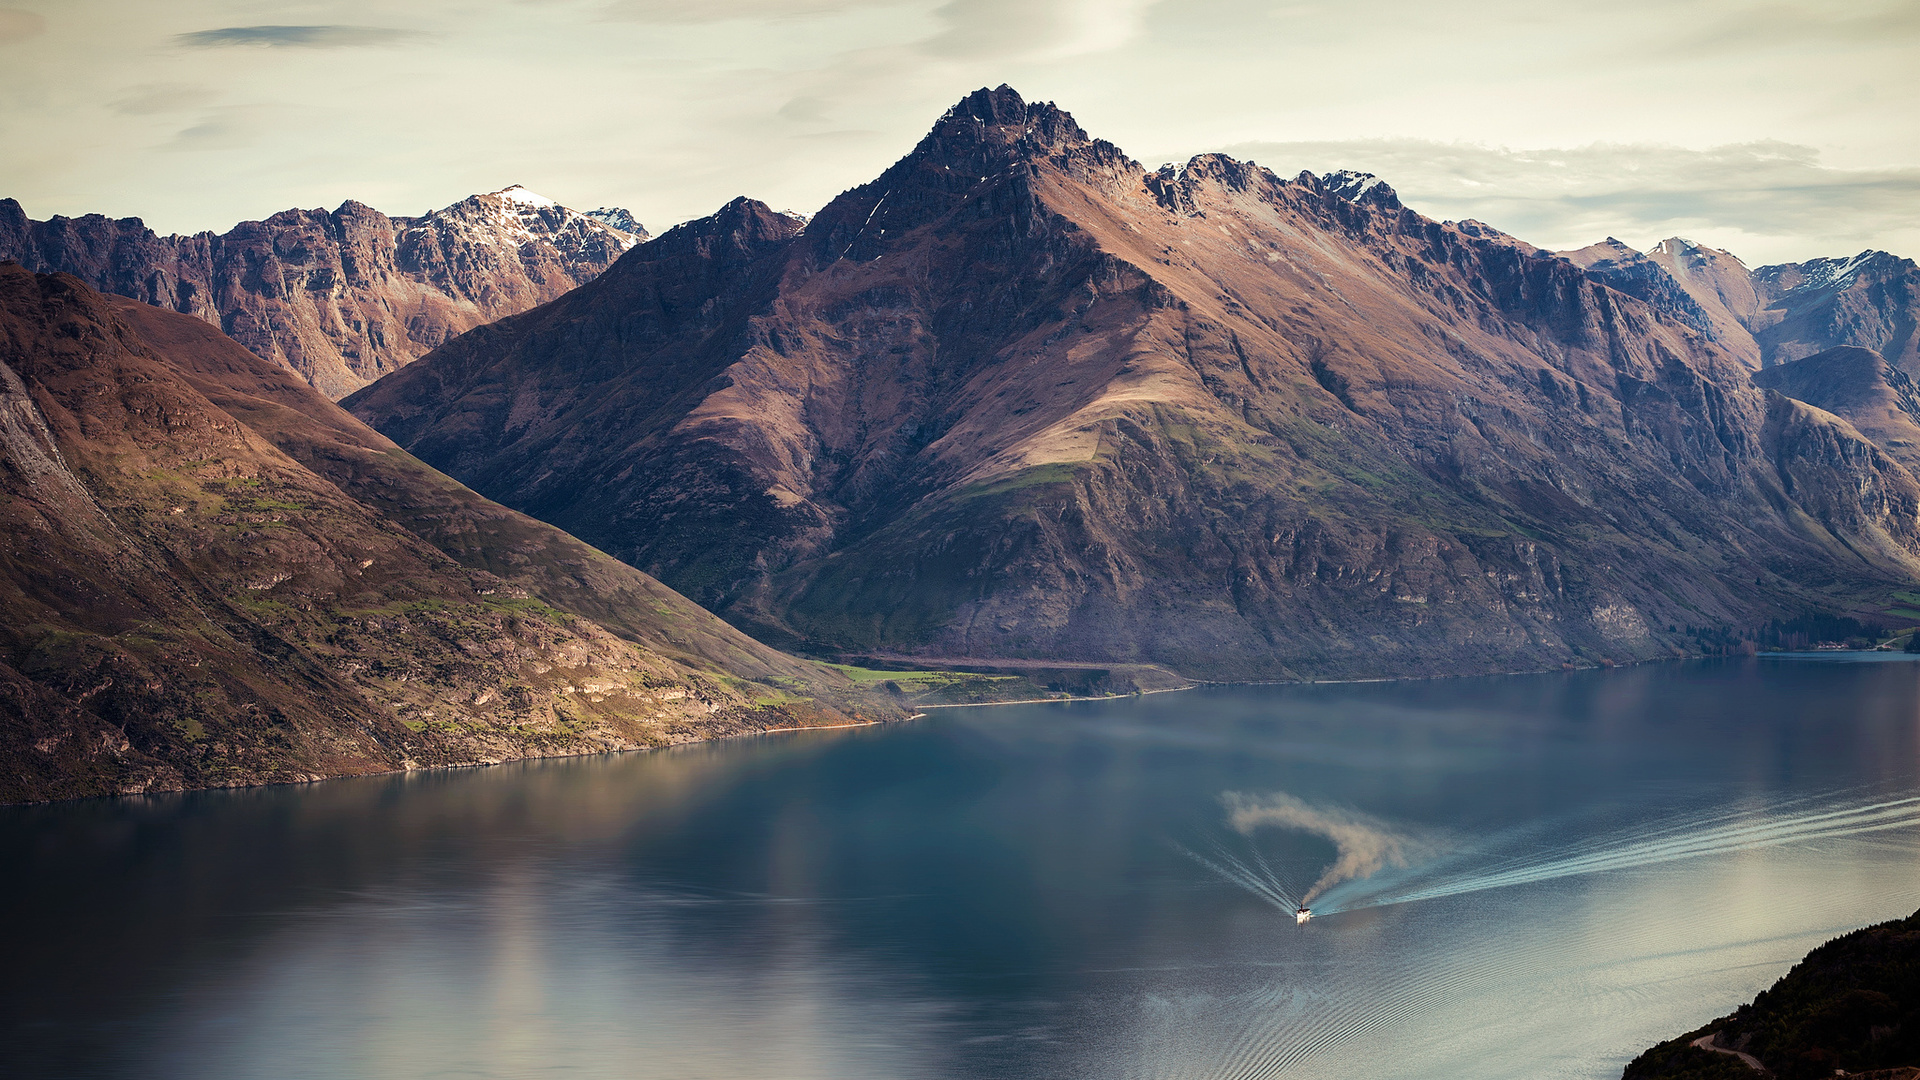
x: 1788, y: 635
x: 1852, y: 1004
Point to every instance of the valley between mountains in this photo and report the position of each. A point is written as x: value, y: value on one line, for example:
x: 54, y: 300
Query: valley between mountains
x: 1017, y: 402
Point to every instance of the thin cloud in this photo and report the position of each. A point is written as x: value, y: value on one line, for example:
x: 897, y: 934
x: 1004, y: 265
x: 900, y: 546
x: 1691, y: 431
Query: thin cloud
x: 1796, y: 25
x: 1570, y: 197
x: 156, y: 98
x: 1035, y: 29
x: 714, y: 11
x: 229, y: 128
x: 298, y: 37
x: 18, y: 25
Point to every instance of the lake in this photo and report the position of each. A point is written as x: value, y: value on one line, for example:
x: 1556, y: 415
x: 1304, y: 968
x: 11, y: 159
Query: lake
x: 1555, y: 871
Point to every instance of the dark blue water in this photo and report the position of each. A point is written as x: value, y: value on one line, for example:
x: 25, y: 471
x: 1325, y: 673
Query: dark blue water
x: 1606, y: 859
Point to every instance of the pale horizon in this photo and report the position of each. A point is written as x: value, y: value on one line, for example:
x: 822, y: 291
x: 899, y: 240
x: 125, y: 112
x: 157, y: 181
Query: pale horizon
x: 1779, y: 132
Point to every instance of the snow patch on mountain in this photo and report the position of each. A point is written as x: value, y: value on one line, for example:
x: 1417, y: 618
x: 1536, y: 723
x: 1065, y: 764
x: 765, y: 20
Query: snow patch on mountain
x: 518, y: 194
x: 1837, y: 273
x: 615, y: 217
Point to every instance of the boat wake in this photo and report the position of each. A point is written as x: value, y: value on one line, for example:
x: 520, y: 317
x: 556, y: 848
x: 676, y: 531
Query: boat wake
x: 1376, y: 865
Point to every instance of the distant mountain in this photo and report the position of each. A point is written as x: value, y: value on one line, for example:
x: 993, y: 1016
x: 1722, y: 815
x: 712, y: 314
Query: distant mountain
x: 344, y: 297
x: 1776, y: 313
x: 1871, y: 300
x: 1693, y: 288
x: 1019, y: 397
x: 210, y: 575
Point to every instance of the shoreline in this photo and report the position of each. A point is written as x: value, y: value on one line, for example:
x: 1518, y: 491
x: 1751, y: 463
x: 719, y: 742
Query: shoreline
x: 1055, y: 700
x: 920, y: 712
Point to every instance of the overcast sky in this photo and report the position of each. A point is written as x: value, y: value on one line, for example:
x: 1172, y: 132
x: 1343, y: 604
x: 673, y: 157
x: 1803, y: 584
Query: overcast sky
x: 1776, y: 130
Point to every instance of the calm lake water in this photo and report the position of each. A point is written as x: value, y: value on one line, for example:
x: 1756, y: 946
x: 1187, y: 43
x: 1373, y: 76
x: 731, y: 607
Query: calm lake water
x: 1586, y: 863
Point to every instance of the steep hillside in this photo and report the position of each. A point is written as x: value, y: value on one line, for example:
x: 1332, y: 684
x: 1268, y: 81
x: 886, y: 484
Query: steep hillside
x: 1851, y: 1008
x: 211, y: 575
x: 1859, y: 386
x: 1019, y: 397
x: 343, y: 297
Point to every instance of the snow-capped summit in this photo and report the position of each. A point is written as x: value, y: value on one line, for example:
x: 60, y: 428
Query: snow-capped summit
x: 1360, y: 186
x: 1840, y: 273
x: 518, y: 194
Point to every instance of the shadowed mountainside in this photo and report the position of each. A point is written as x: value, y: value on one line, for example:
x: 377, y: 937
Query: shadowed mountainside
x: 343, y: 297
x: 211, y: 575
x: 1019, y: 397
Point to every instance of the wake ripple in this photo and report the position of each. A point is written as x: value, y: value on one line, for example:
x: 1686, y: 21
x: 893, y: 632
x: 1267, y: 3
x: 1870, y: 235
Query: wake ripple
x: 1720, y: 834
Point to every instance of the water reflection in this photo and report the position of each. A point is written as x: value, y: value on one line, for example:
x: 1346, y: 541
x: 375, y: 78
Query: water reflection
x: 996, y: 893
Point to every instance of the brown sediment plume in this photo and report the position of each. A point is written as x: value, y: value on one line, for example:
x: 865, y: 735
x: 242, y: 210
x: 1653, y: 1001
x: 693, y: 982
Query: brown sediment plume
x: 1363, y: 845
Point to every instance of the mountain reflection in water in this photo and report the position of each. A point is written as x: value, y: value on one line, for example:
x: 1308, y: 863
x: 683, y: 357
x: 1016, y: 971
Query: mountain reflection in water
x: 995, y: 892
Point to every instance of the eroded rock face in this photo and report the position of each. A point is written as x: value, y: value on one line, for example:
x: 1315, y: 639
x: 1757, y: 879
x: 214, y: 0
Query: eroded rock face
x: 340, y: 297
x: 210, y: 576
x: 1021, y: 397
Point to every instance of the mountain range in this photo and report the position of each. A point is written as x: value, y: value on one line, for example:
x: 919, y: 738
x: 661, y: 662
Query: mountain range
x: 1020, y: 396
x: 1018, y: 404
x: 340, y: 297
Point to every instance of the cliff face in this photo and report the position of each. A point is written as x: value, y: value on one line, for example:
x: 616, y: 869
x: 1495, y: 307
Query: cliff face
x: 1775, y: 314
x: 343, y: 297
x: 1020, y: 397
x: 210, y: 575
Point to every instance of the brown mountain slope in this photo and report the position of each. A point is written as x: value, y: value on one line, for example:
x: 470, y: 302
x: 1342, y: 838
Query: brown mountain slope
x: 343, y: 297
x: 1859, y: 386
x: 187, y: 603
x: 1020, y: 397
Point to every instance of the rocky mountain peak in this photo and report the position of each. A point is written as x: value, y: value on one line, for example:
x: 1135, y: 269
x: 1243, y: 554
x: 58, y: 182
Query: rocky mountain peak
x: 984, y: 150
x: 1835, y: 273
x: 1002, y: 114
x: 341, y: 297
x: 990, y: 131
x: 517, y: 194
x: 1605, y: 255
x: 745, y: 224
x: 617, y: 217
x: 1681, y: 256
x: 1361, y: 187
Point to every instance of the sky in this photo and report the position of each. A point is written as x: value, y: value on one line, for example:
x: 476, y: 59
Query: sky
x: 1777, y: 130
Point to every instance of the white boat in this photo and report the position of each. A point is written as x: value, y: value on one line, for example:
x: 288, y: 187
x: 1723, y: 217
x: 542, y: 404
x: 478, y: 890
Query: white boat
x: 1302, y: 915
